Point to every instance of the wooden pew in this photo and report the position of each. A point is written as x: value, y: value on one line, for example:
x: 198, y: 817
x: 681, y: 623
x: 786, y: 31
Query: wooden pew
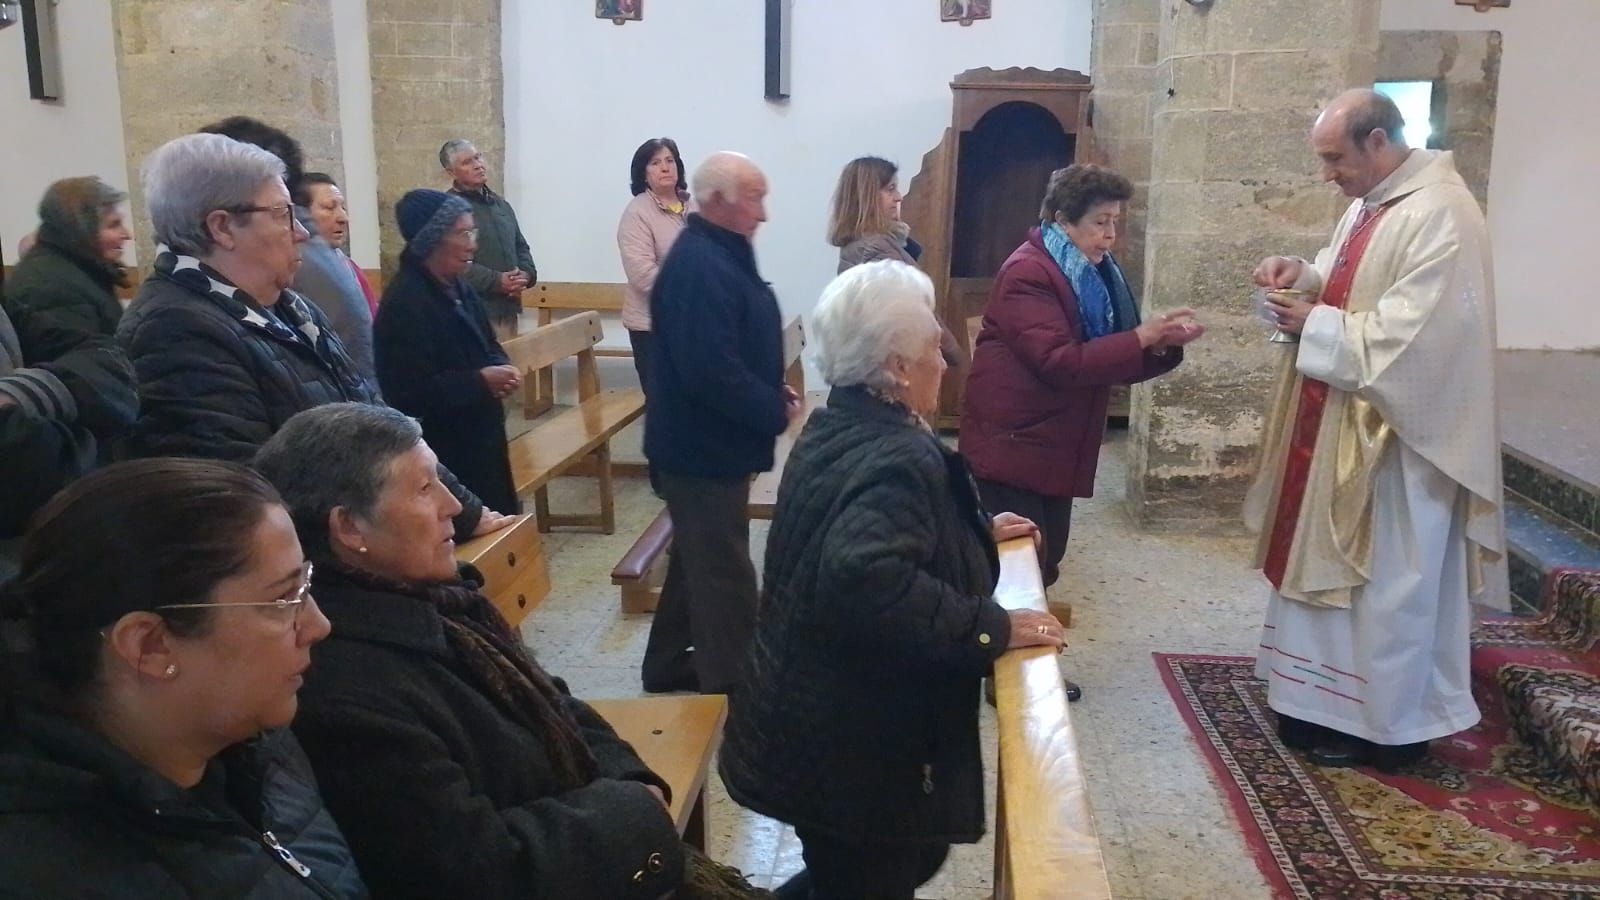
x: 553, y: 300
x: 561, y: 441
x: 516, y: 576
x: 1046, y: 846
x: 638, y: 575
x: 677, y: 737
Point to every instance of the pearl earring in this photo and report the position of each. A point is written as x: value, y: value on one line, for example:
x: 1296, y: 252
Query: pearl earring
x: 172, y: 670
x: 361, y: 549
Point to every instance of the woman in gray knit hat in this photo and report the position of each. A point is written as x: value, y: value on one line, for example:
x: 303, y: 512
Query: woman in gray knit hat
x: 437, y: 356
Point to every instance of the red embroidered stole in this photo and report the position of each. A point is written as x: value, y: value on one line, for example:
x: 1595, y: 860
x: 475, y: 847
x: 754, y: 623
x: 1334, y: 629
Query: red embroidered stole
x: 1313, y: 400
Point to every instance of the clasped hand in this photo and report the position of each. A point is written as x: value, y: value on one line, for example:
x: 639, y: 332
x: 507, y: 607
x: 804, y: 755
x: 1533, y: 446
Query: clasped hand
x: 1278, y: 273
x: 501, y: 380
x: 1173, y: 329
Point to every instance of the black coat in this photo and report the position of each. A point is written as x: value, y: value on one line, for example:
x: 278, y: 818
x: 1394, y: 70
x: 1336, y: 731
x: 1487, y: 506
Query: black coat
x: 715, y: 372
x: 444, y: 795
x: 877, y: 626
x: 219, y: 375
x: 79, y: 819
x: 429, y: 350
x: 57, y: 300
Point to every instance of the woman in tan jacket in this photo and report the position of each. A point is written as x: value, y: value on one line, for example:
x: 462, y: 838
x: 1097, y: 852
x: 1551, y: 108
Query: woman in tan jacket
x: 866, y: 226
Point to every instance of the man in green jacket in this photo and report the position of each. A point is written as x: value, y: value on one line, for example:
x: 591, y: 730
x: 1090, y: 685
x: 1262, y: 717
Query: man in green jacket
x: 503, y: 268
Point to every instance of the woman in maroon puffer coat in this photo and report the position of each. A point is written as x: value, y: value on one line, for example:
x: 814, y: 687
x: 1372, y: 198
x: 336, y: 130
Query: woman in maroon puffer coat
x: 1061, y: 327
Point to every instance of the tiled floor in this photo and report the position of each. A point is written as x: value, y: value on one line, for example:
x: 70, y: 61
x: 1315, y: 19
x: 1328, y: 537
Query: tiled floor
x: 1164, y: 828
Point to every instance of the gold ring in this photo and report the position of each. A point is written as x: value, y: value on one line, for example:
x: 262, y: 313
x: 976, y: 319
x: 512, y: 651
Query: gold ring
x: 1043, y: 630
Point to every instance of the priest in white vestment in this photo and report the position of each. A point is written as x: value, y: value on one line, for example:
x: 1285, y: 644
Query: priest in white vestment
x: 1378, y: 498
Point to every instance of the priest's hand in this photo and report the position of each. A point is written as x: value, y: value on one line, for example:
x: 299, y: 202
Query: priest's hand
x: 1290, y: 310
x: 1278, y: 272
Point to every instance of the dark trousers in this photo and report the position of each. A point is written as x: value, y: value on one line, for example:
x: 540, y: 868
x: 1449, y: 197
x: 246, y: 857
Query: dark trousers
x: 709, y: 599
x: 1053, y: 515
x: 847, y: 870
x: 641, y: 342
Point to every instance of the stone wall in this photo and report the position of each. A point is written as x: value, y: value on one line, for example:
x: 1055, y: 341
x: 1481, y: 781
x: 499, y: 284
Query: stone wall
x: 1232, y: 180
x: 1126, y: 34
x: 1466, y: 67
x: 436, y: 75
x: 184, y: 63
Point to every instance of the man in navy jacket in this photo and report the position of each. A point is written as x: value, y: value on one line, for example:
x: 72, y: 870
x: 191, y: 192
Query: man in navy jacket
x: 717, y: 404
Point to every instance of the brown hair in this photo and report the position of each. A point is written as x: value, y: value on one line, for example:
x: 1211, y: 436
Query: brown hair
x: 856, y: 210
x: 1076, y: 189
x: 134, y: 536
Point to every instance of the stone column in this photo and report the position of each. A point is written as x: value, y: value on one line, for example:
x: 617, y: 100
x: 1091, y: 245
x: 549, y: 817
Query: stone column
x: 436, y: 75
x: 1123, y: 64
x: 182, y: 64
x: 1232, y: 180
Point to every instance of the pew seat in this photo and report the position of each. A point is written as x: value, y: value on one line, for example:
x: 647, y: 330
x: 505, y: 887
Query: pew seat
x: 677, y: 737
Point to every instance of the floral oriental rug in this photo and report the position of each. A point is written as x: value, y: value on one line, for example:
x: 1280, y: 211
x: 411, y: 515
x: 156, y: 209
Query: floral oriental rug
x: 1481, y: 818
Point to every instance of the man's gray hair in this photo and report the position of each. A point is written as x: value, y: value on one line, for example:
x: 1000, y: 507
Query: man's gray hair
x: 720, y: 176
x: 866, y: 317
x: 188, y: 178
x: 338, y: 454
x: 447, y: 153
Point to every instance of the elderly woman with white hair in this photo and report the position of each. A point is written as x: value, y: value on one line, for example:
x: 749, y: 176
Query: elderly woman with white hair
x: 859, y: 725
x: 224, y: 351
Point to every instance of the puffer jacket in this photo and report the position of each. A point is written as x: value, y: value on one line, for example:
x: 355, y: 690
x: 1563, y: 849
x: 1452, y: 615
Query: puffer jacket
x: 877, y: 625
x: 79, y: 818
x: 63, y: 293
x: 219, y: 374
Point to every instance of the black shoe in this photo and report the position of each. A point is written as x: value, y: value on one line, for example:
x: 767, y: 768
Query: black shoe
x: 988, y: 692
x: 1298, y: 734
x: 1391, y: 759
x: 688, y: 682
x: 1346, y: 753
x: 1074, y: 690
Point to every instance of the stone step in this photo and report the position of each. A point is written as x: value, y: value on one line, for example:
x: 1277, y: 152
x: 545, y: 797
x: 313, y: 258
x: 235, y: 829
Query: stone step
x: 1541, y: 542
x: 1545, y: 482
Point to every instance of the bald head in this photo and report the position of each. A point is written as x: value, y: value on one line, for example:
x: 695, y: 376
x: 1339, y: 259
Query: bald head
x: 1360, y: 139
x: 731, y: 192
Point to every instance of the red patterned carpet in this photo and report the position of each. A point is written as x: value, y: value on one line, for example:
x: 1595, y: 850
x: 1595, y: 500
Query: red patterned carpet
x: 1479, y: 819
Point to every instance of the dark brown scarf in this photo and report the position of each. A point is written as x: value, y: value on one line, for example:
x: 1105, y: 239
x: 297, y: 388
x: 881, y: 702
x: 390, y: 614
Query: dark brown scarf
x: 494, y: 657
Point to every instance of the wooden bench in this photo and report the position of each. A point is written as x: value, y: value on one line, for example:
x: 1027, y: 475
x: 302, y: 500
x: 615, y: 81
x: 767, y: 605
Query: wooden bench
x: 677, y: 737
x: 516, y: 576
x: 553, y: 300
x: 562, y: 441
x: 638, y: 575
x: 1046, y: 845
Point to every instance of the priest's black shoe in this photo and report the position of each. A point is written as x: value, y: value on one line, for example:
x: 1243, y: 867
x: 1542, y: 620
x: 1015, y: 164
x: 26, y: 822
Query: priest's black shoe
x: 1074, y: 690
x: 1391, y: 759
x: 1345, y: 753
x: 1298, y: 734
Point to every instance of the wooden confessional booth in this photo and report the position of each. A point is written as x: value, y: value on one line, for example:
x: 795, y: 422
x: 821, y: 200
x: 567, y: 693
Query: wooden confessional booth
x: 978, y: 192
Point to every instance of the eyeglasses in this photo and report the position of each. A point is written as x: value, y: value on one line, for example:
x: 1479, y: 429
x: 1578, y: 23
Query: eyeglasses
x: 283, y: 213
x: 285, y: 610
x: 470, y: 234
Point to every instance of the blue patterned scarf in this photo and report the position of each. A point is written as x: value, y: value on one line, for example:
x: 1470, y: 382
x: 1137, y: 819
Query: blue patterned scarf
x: 1105, y: 302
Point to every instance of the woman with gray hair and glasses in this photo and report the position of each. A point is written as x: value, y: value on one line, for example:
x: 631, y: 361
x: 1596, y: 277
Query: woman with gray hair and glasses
x: 224, y: 351
x: 455, y: 763
x: 859, y: 722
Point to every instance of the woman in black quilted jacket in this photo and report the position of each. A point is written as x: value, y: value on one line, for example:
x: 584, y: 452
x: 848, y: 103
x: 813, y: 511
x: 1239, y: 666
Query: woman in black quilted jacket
x: 225, y: 352
x: 858, y: 722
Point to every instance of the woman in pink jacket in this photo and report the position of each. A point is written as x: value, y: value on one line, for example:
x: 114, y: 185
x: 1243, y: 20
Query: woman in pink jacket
x: 650, y: 223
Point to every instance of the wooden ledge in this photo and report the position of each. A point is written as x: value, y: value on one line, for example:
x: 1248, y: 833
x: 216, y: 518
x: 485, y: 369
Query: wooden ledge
x: 1046, y: 845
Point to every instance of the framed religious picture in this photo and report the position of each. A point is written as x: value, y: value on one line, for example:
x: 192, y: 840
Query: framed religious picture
x: 963, y: 11
x: 619, y: 11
